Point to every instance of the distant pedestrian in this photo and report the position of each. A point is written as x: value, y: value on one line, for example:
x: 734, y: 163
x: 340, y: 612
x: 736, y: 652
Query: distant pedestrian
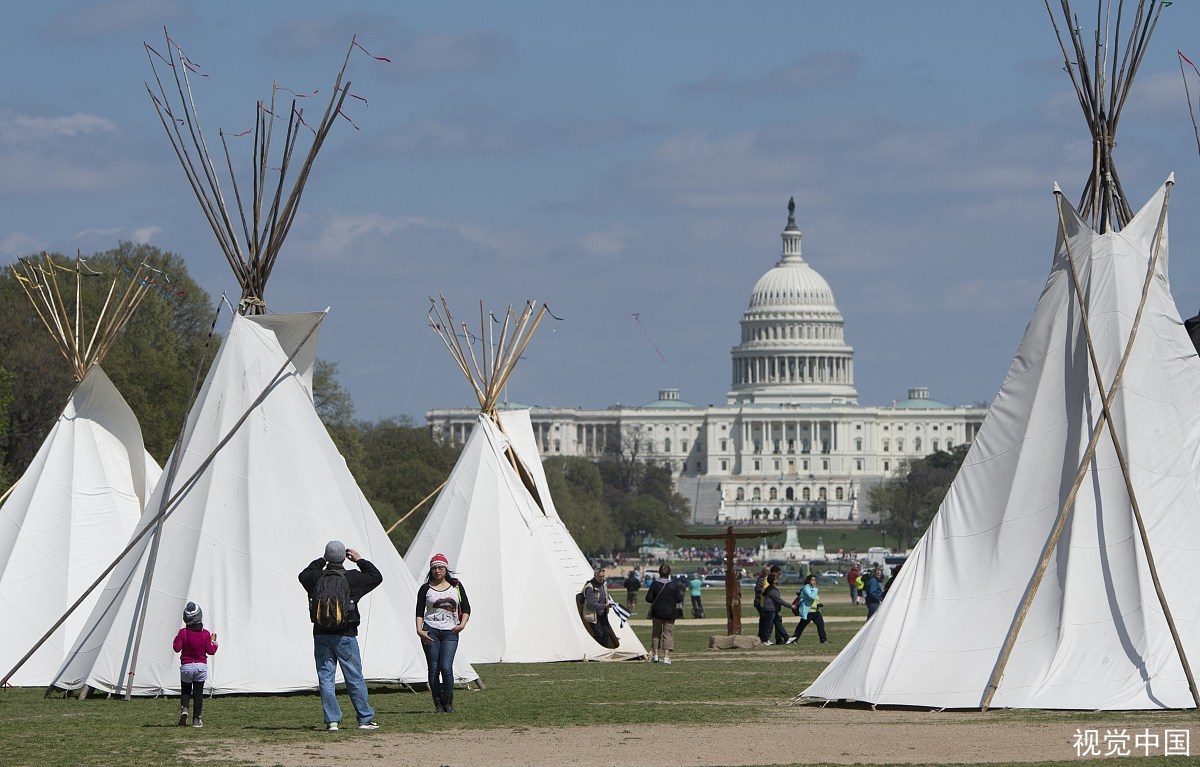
x: 855, y: 582
x: 632, y: 585
x: 873, y: 589
x: 194, y: 644
x: 772, y: 603
x: 694, y: 586
x: 891, y: 578
x: 809, y: 609
x: 664, y: 597
x: 595, y: 600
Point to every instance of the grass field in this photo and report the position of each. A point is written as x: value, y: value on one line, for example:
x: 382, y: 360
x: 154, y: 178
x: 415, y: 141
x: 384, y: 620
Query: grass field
x: 705, y: 686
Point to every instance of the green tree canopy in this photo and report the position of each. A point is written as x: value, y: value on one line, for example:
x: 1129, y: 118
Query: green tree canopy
x: 578, y: 493
x: 154, y: 364
x: 907, y: 503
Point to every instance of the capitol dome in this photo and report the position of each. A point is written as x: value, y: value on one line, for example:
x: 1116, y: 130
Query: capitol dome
x: 793, y: 350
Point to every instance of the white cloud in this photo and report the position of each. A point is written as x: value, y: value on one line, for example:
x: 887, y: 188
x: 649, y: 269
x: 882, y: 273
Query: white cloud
x: 18, y: 129
x: 20, y: 244
x: 602, y: 244
x: 144, y: 234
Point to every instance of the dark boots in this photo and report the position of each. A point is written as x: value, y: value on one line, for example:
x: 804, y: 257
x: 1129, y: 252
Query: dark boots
x: 448, y: 701
x: 438, y: 706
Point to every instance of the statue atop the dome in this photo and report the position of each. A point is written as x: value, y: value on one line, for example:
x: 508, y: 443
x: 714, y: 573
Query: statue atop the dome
x: 791, y: 207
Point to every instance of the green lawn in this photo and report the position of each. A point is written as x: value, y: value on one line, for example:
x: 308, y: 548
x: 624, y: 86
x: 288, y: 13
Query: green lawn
x: 728, y: 686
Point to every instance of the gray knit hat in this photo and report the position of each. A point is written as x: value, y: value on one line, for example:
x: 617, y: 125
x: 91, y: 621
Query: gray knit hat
x: 335, y: 552
x: 192, y: 614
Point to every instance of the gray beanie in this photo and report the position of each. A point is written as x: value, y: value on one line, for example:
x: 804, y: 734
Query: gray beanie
x: 192, y: 614
x: 335, y: 552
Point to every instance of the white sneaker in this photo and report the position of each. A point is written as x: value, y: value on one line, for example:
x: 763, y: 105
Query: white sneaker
x: 667, y: 661
x: 654, y: 659
x: 331, y: 727
x: 767, y: 644
x: 791, y: 640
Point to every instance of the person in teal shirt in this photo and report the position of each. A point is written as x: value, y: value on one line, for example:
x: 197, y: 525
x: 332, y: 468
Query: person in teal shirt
x: 695, y: 584
x: 808, y: 607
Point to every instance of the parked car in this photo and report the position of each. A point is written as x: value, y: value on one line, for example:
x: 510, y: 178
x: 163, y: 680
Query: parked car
x: 713, y: 579
x: 831, y: 574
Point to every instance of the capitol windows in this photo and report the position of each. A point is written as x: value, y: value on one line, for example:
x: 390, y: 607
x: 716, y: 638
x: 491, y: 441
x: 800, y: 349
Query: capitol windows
x: 773, y: 494
x: 899, y: 446
x: 757, y: 465
x: 917, y: 444
x: 558, y: 445
x: 756, y: 494
x: 886, y: 445
x: 858, y: 443
x: 887, y: 465
x: 724, y: 444
x: 824, y: 464
x: 804, y: 464
x: 935, y: 443
x: 724, y: 465
x: 683, y: 443
x: 667, y: 445
x: 839, y: 494
x: 776, y: 465
x: 821, y: 494
x: 806, y: 494
x: 741, y: 494
x: 858, y: 464
x: 789, y: 494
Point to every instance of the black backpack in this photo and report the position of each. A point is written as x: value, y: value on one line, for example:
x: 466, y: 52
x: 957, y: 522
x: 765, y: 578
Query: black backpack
x: 330, y: 605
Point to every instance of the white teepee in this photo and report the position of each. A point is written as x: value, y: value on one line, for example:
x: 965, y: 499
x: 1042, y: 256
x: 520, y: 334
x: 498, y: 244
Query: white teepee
x: 238, y: 530
x: 1059, y: 570
x: 76, y: 505
x: 517, y: 560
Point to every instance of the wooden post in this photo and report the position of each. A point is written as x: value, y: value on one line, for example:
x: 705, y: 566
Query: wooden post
x: 733, y: 592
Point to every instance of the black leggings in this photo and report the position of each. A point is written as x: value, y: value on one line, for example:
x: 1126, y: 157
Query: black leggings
x: 191, y: 690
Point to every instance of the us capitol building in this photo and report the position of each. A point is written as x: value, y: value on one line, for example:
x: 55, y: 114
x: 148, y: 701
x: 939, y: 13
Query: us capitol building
x: 791, y: 442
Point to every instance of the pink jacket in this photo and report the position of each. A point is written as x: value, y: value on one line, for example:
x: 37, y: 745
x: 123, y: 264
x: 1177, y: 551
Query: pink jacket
x: 195, y: 646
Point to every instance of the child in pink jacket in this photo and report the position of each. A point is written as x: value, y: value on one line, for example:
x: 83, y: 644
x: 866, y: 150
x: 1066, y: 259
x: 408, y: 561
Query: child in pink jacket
x: 194, y: 644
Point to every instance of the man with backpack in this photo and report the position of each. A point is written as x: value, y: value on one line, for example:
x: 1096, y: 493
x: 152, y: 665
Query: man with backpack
x: 333, y: 596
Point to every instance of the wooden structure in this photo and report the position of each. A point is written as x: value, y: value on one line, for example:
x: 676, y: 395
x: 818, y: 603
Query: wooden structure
x: 733, y: 591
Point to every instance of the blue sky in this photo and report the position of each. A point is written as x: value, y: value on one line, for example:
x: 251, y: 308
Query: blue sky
x: 608, y: 159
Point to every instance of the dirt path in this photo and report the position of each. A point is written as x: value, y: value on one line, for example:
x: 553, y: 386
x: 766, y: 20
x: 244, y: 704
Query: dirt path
x: 794, y: 735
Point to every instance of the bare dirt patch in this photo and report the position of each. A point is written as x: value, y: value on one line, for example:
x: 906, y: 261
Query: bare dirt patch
x: 789, y: 735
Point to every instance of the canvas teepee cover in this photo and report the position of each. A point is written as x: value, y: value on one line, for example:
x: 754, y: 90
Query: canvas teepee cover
x: 75, y: 506
x: 496, y: 522
x: 1095, y: 634
x: 519, y: 564
x: 239, y: 533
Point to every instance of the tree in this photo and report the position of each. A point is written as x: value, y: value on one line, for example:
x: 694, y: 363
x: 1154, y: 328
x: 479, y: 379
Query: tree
x: 578, y: 493
x: 154, y: 364
x: 907, y: 503
x: 6, y: 387
x: 335, y: 408
x: 401, y: 464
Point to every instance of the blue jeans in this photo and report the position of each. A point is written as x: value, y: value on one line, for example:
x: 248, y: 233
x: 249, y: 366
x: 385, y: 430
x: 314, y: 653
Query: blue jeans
x: 330, y: 651
x: 440, y: 655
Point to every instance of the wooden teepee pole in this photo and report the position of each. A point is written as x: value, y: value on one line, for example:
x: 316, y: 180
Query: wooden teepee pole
x: 1105, y: 419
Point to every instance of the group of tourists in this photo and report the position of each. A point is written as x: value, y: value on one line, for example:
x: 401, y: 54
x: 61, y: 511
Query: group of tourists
x: 869, y: 588
x: 334, y: 593
x: 770, y: 603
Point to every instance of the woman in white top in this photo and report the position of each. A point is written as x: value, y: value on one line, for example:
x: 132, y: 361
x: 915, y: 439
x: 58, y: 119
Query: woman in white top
x: 442, y: 613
